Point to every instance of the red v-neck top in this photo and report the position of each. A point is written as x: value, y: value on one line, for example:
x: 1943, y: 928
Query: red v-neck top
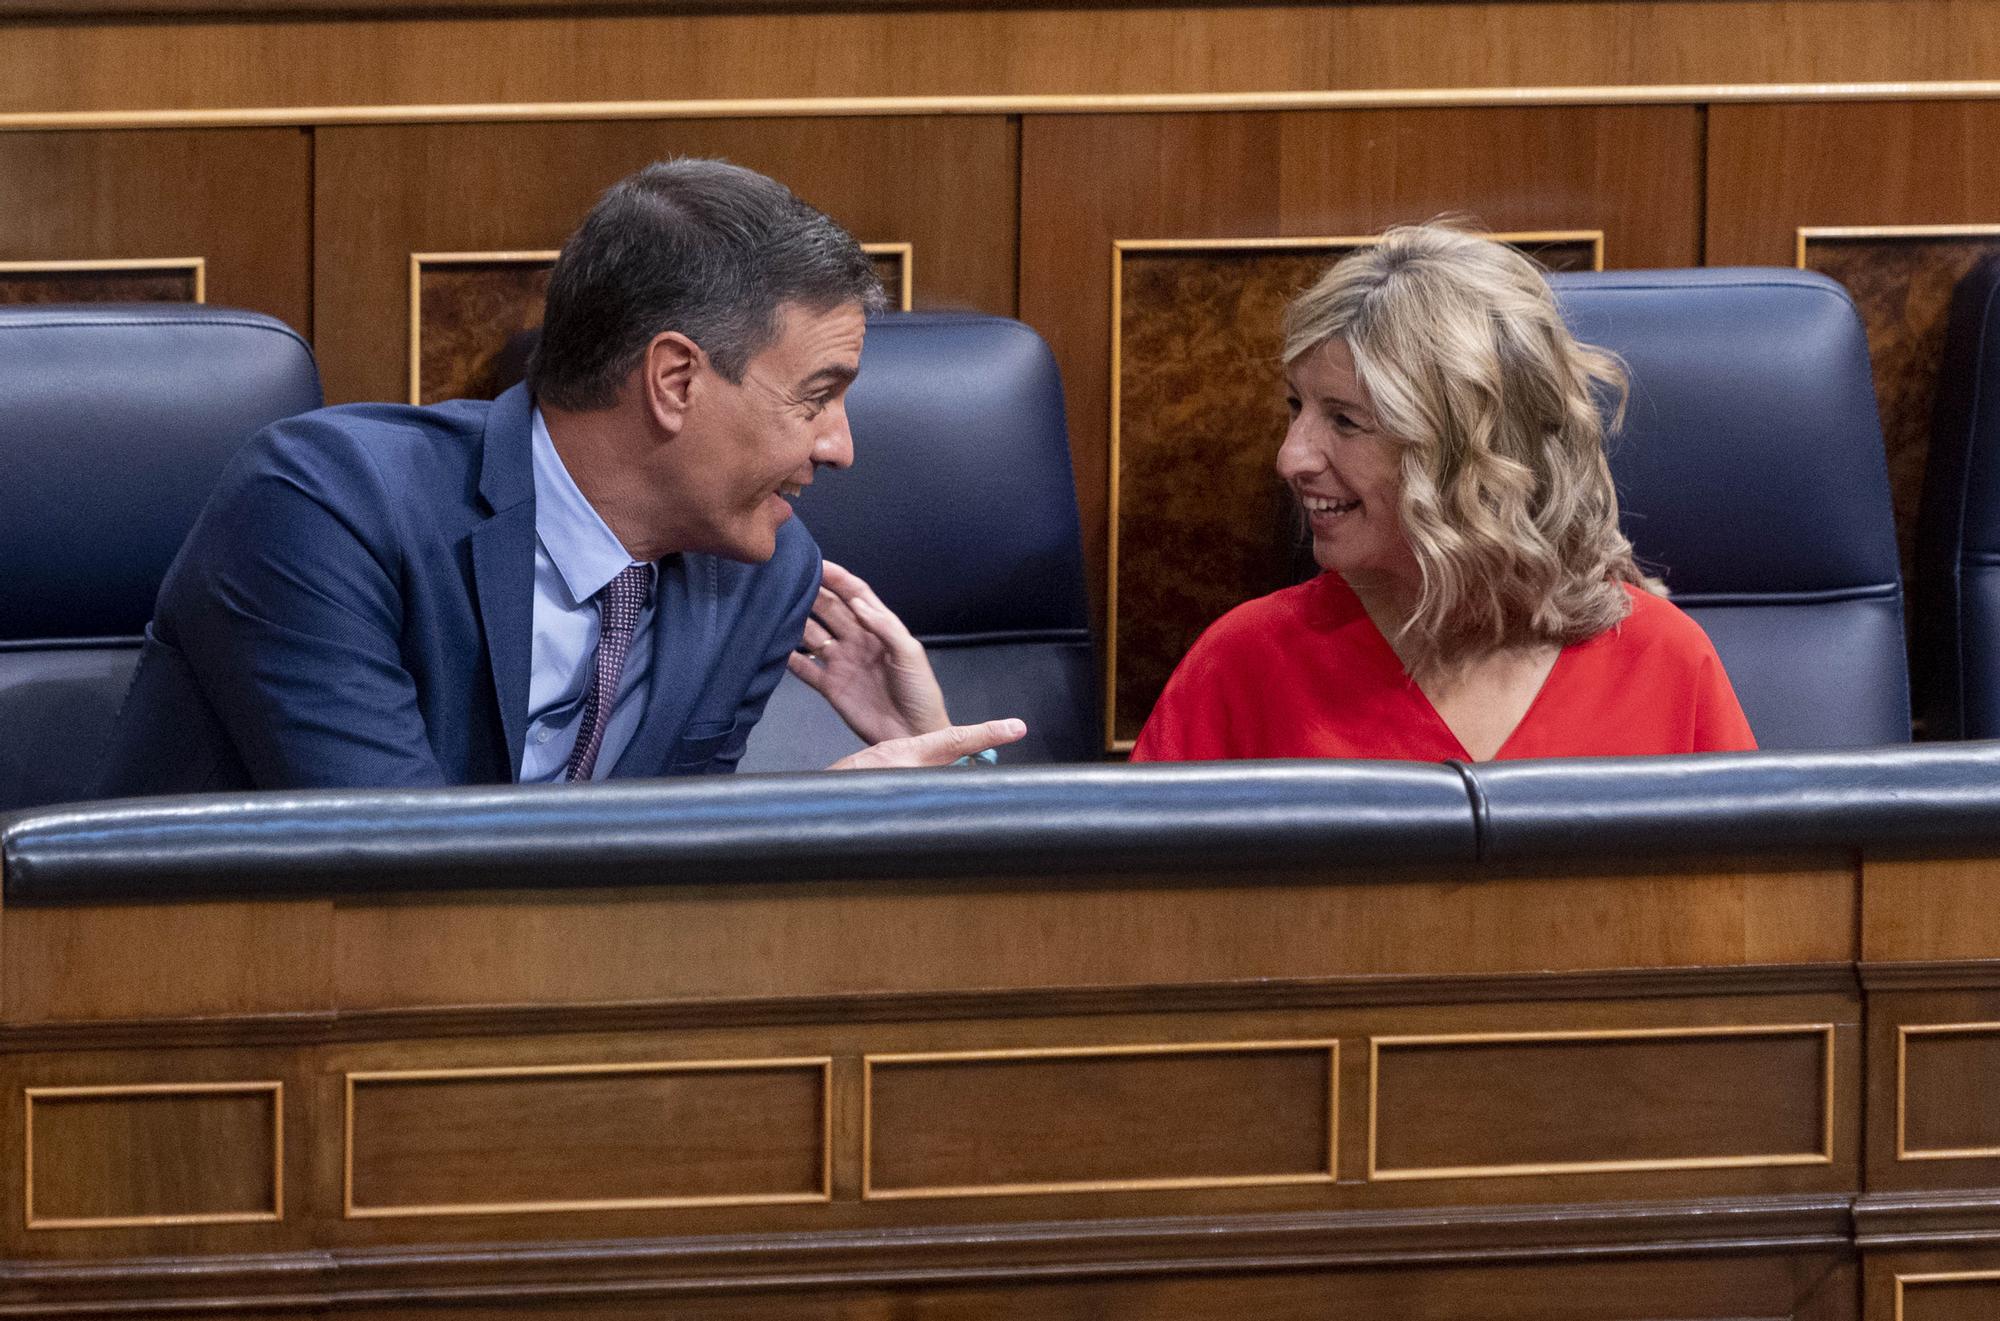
x: 1305, y: 673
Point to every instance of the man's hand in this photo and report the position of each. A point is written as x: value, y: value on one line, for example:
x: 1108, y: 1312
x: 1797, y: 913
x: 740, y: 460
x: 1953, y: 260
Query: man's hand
x: 860, y: 658
x: 938, y: 748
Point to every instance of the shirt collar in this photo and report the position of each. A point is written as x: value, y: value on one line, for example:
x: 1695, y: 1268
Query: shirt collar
x: 584, y: 551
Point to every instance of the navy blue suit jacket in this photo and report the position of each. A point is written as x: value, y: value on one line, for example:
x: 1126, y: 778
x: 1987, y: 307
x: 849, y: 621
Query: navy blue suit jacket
x: 354, y: 606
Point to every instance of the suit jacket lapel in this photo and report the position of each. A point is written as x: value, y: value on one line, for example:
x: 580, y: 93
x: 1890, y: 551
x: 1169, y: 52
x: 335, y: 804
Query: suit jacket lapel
x: 683, y: 620
x: 503, y: 562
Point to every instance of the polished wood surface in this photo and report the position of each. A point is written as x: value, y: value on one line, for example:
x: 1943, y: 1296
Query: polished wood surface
x: 1134, y: 1117
x: 478, y: 57
x: 1134, y: 1096
x: 1090, y: 181
x: 946, y: 186
x: 239, y: 199
x: 1924, y: 166
x: 587, y: 1137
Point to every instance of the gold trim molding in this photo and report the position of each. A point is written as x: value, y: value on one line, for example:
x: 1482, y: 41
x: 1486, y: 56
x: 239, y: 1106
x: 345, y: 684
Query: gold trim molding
x: 1119, y: 247
x: 1376, y: 1174
x: 59, y: 1094
x: 1809, y: 233
x: 418, y: 260
x: 127, y: 265
x: 906, y: 252
x: 1378, y: 98
x: 906, y: 255
x: 1904, y: 1031
x: 870, y: 1193
x: 352, y: 1211
x: 1938, y: 1277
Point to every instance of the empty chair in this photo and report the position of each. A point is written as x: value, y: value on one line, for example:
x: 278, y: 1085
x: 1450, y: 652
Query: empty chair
x: 1957, y: 585
x: 114, y: 422
x: 1751, y: 476
x: 960, y: 511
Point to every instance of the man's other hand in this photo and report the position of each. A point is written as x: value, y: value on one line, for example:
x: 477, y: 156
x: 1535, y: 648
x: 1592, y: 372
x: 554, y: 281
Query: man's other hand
x: 937, y: 748
x: 858, y: 656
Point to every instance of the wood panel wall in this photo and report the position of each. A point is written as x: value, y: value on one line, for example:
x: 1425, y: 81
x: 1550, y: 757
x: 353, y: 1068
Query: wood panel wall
x: 301, y: 160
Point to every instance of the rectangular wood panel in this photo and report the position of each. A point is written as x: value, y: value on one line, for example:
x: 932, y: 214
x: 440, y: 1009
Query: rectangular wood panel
x: 587, y: 1137
x: 1967, y: 1296
x: 1507, y: 1104
x: 155, y: 1154
x: 1131, y: 1117
x: 238, y: 199
x: 944, y: 186
x: 1947, y: 1079
x: 1091, y: 181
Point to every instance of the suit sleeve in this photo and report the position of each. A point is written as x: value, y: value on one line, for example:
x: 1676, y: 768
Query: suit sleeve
x: 803, y: 585
x: 288, y: 611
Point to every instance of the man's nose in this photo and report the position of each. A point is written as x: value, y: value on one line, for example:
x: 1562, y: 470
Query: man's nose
x: 834, y: 447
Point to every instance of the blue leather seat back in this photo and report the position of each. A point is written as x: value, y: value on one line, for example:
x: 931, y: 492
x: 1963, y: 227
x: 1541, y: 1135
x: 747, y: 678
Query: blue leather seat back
x: 1957, y: 587
x: 960, y: 511
x: 114, y: 422
x: 1752, y: 478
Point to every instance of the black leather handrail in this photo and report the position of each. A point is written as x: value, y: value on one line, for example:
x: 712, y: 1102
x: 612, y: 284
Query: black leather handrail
x: 808, y: 827
x: 1028, y: 821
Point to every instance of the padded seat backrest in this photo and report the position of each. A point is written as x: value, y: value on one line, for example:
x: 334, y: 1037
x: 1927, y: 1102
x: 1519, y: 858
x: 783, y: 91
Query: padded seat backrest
x: 960, y: 511
x: 114, y: 422
x: 1751, y: 477
x: 1957, y: 586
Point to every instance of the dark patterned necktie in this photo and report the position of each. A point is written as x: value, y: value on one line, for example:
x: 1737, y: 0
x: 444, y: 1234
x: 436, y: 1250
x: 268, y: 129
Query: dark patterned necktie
x: 618, y: 606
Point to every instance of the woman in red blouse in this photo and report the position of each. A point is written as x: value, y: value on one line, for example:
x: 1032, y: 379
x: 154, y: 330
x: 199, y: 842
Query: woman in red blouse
x: 1478, y: 599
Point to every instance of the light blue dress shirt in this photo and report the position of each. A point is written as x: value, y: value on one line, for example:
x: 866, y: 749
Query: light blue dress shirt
x: 575, y: 556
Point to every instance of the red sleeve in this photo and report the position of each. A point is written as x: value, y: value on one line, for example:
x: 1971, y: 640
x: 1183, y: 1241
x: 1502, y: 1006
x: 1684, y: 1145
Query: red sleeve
x: 1190, y: 722
x: 1719, y: 722
x: 1186, y: 721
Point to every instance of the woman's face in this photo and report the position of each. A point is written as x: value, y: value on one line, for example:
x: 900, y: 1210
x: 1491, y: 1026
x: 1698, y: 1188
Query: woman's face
x: 1345, y: 473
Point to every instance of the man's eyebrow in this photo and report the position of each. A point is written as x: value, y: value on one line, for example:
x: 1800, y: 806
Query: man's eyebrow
x: 838, y: 373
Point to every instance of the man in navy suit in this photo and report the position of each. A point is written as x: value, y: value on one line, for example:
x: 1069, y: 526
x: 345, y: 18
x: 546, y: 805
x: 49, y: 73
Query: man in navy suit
x: 596, y: 574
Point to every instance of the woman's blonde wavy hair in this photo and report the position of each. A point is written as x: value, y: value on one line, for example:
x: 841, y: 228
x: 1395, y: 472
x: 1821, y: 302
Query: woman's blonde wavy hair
x: 1507, y: 501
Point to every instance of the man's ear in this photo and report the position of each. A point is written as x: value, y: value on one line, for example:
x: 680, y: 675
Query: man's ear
x: 666, y: 378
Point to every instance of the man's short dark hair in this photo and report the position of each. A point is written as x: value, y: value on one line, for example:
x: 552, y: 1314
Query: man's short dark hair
x: 703, y: 247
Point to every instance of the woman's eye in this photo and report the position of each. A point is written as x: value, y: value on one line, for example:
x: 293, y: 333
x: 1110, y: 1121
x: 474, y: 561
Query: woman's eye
x: 1292, y: 405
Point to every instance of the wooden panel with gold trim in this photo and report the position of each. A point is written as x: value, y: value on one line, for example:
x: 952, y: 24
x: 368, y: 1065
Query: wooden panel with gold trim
x: 587, y: 1137
x: 945, y: 186
x: 471, y: 314
x: 1901, y: 278
x: 1210, y: 1115
x: 1198, y: 520
x: 154, y: 1154
x: 1946, y: 1074
x: 1511, y: 1104
x: 1947, y: 1296
x: 119, y: 280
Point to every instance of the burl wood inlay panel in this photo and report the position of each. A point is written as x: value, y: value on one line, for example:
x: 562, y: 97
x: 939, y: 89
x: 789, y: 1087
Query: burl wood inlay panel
x: 1902, y: 286
x: 1203, y: 523
x: 1464, y: 1107
x: 1141, y: 1117
x: 1947, y: 1079
x: 471, y: 317
x: 152, y: 284
x: 107, y: 1156
x: 586, y: 1137
x: 1961, y: 1298
x: 465, y: 321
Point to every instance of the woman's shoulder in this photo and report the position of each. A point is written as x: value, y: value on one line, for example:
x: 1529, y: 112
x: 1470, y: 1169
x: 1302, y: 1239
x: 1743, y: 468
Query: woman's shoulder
x: 1657, y: 624
x: 1315, y: 606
